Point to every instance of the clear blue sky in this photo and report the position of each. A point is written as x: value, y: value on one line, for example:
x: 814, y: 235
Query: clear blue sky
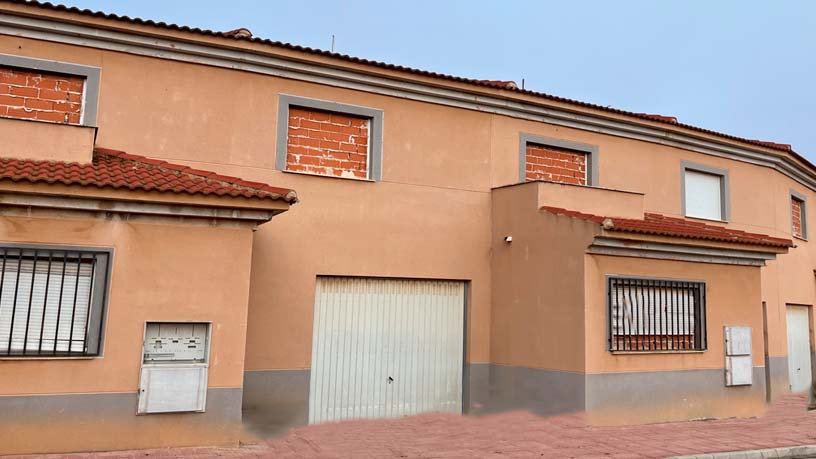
x: 744, y: 67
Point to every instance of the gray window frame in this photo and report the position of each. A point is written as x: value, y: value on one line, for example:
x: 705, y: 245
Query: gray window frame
x: 591, y: 151
x: 100, y: 297
x: 90, y: 91
x: 794, y: 195
x: 375, y: 138
x: 725, y: 196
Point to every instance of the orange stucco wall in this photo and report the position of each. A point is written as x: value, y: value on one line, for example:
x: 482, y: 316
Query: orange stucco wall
x: 429, y: 216
x: 550, y: 318
x: 188, y: 278
x: 538, y: 284
x: 46, y: 141
x: 759, y: 201
x: 161, y: 271
x: 732, y: 298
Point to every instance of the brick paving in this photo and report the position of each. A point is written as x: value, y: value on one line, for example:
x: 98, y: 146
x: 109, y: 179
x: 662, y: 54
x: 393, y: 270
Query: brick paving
x: 512, y: 435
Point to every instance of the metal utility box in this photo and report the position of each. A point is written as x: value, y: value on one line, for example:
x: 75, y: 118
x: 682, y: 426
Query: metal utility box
x: 175, y: 362
x: 175, y: 342
x: 738, y: 360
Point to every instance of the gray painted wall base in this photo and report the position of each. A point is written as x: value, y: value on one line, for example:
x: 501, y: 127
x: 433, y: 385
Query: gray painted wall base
x: 778, y: 370
x: 544, y: 392
x: 642, y: 396
x: 670, y: 396
x: 108, y: 421
x: 476, y: 387
x: 275, y: 400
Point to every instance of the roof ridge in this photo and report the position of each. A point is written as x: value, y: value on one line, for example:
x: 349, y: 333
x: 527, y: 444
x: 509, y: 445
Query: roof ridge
x: 248, y: 185
x: 358, y: 60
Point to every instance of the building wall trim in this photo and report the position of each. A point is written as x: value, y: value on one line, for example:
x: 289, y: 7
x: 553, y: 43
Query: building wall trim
x: 134, y: 207
x: 247, y: 60
x: 90, y: 93
x: 678, y: 252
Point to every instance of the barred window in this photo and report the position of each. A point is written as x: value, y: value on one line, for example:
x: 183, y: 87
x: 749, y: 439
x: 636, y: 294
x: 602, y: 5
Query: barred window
x: 51, y: 301
x: 655, y: 315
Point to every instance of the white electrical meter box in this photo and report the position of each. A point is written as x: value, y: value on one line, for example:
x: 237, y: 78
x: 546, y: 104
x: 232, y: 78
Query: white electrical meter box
x: 175, y: 362
x: 738, y: 360
x: 175, y: 342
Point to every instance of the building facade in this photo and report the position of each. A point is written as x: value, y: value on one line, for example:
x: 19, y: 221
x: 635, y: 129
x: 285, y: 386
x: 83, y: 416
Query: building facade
x: 460, y: 245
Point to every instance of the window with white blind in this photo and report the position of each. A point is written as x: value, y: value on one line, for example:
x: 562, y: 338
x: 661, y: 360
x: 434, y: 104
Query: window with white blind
x: 52, y: 301
x: 705, y: 192
x: 655, y: 314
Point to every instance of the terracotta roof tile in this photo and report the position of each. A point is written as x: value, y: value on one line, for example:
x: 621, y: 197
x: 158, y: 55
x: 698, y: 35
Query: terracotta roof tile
x: 501, y: 84
x: 663, y: 118
x: 661, y: 225
x: 235, y: 35
x: 120, y: 170
x: 778, y: 146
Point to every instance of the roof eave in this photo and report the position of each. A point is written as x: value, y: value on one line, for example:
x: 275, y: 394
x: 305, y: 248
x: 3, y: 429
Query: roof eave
x: 105, y: 199
x: 628, y: 235
x: 263, y: 46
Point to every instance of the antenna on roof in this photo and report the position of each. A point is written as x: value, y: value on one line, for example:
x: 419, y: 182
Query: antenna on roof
x: 332, y: 43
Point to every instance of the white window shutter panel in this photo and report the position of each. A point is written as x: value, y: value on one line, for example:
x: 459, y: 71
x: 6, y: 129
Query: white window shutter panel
x: 703, y: 195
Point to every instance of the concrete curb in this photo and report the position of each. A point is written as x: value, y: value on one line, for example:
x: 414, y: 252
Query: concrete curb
x: 788, y: 452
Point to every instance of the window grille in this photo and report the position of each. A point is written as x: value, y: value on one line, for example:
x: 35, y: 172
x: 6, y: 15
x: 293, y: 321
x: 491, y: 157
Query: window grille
x: 51, y: 301
x: 655, y: 315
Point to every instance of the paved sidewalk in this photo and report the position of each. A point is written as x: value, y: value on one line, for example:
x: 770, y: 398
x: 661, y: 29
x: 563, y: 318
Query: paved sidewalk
x: 514, y: 435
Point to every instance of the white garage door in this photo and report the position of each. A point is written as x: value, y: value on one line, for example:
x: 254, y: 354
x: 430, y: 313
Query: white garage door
x: 386, y: 348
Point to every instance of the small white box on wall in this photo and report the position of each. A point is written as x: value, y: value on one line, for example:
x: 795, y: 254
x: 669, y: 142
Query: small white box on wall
x: 173, y: 388
x: 738, y: 370
x: 175, y: 364
x: 738, y: 360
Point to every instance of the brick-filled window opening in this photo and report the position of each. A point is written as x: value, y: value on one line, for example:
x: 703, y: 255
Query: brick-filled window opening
x: 555, y: 164
x: 41, y: 96
x: 655, y: 315
x: 327, y: 143
x: 798, y: 217
x: 51, y: 301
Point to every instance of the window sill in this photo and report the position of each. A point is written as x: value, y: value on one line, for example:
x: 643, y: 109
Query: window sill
x: 309, y: 174
x: 800, y: 238
x: 656, y: 352
x: 715, y: 220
